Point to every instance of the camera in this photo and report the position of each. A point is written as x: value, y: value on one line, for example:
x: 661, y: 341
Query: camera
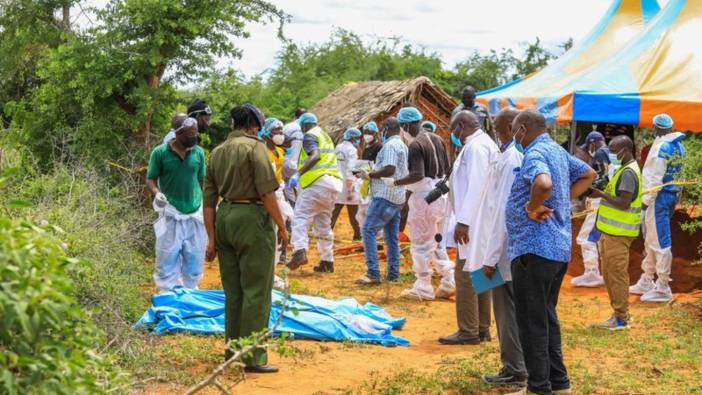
x: 440, y: 190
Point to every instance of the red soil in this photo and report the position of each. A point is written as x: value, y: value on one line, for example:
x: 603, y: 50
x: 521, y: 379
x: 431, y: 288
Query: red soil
x: 686, y: 274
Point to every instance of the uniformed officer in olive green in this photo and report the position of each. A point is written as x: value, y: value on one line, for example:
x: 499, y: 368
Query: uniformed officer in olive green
x: 243, y: 235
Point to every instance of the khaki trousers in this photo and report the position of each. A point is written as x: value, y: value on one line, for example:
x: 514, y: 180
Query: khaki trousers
x: 615, y: 270
x: 472, y: 311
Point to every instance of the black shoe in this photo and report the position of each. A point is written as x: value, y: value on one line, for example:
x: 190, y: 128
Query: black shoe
x: 485, y: 337
x: 505, y: 378
x: 261, y: 369
x: 324, y: 267
x: 459, y: 339
x: 299, y: 258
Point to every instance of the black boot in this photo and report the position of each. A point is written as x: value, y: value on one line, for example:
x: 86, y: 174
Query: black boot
x: 324, y: 267
x: 299, y: 258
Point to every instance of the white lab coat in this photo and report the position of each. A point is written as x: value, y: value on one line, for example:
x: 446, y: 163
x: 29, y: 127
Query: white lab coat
x: 488, y: 233
x: 469, y: 176
x: 346, y: 156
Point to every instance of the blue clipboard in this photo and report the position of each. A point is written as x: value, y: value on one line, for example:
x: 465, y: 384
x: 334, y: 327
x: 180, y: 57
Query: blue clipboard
x: 483, y: 284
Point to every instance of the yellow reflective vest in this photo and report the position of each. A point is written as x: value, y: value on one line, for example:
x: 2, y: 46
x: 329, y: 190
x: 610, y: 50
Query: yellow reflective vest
x: 616, y: 222
x: 327, y: 159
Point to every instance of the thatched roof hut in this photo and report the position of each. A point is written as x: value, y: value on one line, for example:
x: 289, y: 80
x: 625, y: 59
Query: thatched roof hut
x: 359, y: 102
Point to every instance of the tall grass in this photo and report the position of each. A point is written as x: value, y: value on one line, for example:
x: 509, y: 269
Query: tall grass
x: 105, y: 226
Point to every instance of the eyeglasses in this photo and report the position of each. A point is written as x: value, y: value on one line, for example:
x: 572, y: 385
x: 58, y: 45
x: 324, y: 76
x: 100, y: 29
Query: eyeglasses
x: 207, y: 111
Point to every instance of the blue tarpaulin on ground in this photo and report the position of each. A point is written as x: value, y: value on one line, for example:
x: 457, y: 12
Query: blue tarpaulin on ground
x: 202, y: 312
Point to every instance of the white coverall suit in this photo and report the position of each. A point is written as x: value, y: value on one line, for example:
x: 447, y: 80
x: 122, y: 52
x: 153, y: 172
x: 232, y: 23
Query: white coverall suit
x: 293, y: 133
x: 346, y: 156
x: 314, y: 207
x: 181, y: 240
x: 587, y: 240
x: 660, y: 168
x: 425, y: 222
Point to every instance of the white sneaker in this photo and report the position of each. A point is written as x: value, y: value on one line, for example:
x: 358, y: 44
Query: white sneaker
x: 444, y: 293
x: 642, y: 286
x: 660, y: 294
x: 412, y: 293
x: 591, y: 278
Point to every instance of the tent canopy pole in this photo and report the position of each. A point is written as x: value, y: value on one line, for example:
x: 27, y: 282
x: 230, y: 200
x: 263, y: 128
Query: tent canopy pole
x: 573, y: 132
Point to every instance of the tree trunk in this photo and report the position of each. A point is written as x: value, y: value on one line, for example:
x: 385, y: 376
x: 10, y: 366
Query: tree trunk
x: 144, y: 133
x: 154, y: 83
x: 66, y: 19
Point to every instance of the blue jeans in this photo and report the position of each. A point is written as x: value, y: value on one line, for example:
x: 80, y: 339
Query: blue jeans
x: 382, y: 214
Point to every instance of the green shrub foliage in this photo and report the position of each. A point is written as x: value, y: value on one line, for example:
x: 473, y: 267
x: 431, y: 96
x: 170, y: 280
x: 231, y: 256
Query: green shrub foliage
x: 48, y: 344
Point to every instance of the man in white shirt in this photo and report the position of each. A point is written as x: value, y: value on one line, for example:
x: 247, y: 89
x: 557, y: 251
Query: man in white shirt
x: 466, y: 184
x: 487, y: 250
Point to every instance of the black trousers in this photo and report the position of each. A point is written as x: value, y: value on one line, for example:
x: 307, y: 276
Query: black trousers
x: 537, y: 283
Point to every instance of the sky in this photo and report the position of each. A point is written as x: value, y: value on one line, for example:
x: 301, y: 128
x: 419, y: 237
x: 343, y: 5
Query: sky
x: 450, y: 28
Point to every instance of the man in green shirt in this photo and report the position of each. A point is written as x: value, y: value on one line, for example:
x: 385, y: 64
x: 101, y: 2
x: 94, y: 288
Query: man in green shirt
x: 175, y: 174
x: 241, y: 231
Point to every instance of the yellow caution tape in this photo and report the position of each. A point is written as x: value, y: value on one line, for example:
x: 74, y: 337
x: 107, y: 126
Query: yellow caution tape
x: 646, y: 192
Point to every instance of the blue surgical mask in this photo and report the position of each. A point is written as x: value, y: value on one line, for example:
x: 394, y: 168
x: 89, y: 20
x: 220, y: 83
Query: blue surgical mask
x: 356, y: 143
x: 261, y: 134
x: 503, y: 147
x: 455, y: 140
x: 614, y: 159
x: 518, y: 144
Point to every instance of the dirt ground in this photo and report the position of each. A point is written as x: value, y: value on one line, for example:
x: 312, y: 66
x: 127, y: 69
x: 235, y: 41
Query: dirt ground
x: 331, y: 368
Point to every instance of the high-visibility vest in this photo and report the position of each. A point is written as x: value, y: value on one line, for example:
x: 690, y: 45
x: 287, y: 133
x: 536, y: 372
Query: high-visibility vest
x: 617, y: 222
x: 326, y: 165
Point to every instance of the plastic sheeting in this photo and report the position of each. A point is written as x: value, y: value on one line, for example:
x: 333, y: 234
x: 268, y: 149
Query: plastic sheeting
x: 202, y: 312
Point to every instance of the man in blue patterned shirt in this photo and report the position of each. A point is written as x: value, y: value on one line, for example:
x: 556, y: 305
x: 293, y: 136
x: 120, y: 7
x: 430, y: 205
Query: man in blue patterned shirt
x: 386, y: 203
x: 539, y: 246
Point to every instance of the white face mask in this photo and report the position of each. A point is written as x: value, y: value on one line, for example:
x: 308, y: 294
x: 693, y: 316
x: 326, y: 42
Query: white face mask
x: 368, y: 138
x: 278, y: 139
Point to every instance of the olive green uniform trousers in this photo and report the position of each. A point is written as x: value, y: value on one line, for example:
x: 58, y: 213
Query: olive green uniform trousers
x: 245, y: 239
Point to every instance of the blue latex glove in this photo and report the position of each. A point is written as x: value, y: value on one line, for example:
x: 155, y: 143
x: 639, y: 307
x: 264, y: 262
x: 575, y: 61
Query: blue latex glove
x: 293, y: 181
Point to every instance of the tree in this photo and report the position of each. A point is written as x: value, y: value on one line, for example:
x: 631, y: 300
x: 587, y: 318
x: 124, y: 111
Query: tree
x: 28, y: 29
x: 483, y: 71
x: 535, y: 58
x: 109, y: 85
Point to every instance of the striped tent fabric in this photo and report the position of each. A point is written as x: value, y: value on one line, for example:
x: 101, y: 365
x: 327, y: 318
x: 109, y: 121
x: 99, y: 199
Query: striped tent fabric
x: 660, y: 70
x: 551, y: 90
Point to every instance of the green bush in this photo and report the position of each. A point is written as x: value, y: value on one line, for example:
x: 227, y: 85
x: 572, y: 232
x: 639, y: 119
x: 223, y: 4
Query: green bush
x: 106, y: 226
x: 48, y: 344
